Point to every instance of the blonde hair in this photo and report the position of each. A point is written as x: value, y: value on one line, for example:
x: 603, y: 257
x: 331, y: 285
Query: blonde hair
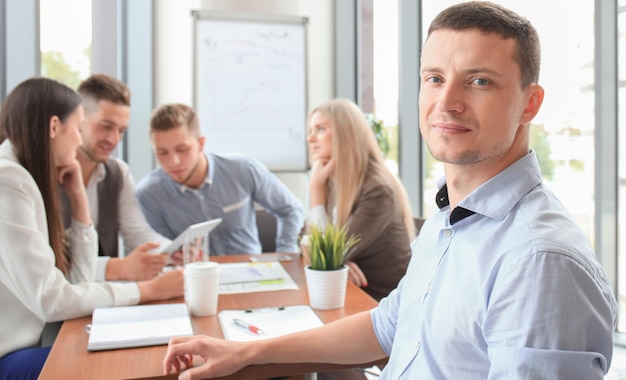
x: 354, y: 149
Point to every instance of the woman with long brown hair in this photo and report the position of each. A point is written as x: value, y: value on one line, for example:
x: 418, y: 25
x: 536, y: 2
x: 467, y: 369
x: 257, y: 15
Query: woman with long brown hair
x: 351, y: 186
x: 46, y: 273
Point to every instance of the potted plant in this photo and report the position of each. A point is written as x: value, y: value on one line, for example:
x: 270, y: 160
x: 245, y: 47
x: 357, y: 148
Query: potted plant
x: 327, y: 276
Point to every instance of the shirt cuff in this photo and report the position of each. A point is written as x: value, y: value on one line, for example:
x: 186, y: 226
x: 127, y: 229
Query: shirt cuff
x: 101, y: 268
x: 317, y: 216
x: 81, y: 231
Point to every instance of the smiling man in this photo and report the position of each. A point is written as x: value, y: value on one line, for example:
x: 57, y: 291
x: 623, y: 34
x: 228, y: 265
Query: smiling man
x: 110, y: 186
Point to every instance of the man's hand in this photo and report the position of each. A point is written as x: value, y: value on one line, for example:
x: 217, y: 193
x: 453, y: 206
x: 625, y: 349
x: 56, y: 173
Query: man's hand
x: 165, y: 286
x: 139, y: 265
x: 220, y: 357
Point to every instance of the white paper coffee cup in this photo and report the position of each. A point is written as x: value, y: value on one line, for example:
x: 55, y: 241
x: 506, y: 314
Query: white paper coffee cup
x: 202, y: 281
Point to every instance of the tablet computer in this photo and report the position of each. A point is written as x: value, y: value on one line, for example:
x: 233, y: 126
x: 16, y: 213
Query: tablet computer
x: 194, y: 231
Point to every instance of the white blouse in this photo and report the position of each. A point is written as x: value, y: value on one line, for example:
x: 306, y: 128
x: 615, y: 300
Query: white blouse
x: 32, y: 290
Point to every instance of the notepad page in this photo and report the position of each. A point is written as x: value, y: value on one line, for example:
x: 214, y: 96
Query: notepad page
x: 273, y: 321
x: 134, y: 334
x: 237, y: 273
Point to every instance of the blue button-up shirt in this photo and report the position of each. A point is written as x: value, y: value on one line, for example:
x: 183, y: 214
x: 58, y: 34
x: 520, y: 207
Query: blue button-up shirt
x: 512, y: 290
x: 232, y: 187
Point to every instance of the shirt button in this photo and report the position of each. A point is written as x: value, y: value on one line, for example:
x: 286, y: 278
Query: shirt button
x: 416, y: 344
x: 447, y: 233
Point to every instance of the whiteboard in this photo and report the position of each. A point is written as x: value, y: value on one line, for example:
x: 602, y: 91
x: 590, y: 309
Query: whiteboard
x: 250, y: 87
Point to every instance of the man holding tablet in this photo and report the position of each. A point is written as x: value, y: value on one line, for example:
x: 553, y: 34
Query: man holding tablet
x: 191, y: 186
x: 110, y: 186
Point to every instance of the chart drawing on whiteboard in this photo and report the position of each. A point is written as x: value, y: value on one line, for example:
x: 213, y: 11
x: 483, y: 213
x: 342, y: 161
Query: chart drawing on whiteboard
x: 251, y: 89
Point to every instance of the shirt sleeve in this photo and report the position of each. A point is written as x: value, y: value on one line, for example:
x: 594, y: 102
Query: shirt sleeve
x: 385, y: 317
x: 42, y: 287
x: 134, y: 227
x: 547, y: 319
x: 151, y: 209
x: 101, y: 267
x: 83, y: 244
x: 317, y: 216
x: 279, y: 201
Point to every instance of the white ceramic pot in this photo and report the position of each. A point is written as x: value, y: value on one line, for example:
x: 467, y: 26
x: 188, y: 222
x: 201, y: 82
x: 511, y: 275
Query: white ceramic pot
x: 326, y: 288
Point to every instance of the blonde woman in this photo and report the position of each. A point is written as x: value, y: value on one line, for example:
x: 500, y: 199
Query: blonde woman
x: 351, y: 186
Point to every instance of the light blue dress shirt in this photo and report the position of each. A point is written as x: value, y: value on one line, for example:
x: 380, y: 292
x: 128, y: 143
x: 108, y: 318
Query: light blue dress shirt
x: 510, y: 290
x: 232, y: 186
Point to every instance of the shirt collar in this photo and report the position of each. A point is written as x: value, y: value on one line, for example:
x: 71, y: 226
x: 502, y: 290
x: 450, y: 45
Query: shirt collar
x: 459, y: 213
x: 6, y: 150
x: 496, y: 197
x: 98, y: 174
x: 208, y: 181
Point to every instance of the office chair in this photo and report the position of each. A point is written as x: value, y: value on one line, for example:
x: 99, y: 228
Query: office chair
x: 266, y: 224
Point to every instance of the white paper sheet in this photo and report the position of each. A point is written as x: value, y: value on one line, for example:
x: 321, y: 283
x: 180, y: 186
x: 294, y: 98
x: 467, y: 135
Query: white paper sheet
x: 273, y: 322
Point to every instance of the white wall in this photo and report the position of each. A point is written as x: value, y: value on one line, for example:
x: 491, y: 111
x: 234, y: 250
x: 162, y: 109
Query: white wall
x: 173, y: 51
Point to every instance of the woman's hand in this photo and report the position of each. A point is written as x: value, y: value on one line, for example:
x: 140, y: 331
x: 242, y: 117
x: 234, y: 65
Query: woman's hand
x: 70, y: 178
x: 355, y: 275
x: 304, y: 248
x: 321, y: 171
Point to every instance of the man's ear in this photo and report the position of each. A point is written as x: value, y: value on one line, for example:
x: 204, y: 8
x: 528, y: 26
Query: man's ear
x: 55, y: 123
x: 535, y: 99
x: 201, y: 143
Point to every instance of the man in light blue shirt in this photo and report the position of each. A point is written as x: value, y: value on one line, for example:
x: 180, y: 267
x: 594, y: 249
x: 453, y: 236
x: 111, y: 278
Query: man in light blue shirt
x: 191, y: 187
x: 502, y: 282
x: 504, y: 286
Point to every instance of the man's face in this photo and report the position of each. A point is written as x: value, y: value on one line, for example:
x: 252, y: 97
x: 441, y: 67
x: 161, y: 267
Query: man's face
x: 178, y: 152
x: 103, y: 130
x: 472, y: 106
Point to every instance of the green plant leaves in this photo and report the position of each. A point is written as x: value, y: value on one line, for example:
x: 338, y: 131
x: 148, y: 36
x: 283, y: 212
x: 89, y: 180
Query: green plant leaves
x: 380, y: 132
x: 328, y: 246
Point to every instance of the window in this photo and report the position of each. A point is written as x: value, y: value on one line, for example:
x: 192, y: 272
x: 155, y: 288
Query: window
x: 621, y: 180
x: 385, y: 78
x: 378, y: 72
x: 65, y: 37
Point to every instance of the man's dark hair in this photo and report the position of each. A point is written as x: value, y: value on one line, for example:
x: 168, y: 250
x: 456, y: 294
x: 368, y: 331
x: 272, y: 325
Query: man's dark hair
x: 493, y: 18
x: 103, y: 87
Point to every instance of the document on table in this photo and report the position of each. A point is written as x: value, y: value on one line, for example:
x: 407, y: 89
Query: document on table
x: 137, y: 326
x: 251, y: 277
x: 272, y: 321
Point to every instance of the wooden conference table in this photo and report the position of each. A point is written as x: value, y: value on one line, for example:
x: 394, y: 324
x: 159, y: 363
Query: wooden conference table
x: 69, y: 358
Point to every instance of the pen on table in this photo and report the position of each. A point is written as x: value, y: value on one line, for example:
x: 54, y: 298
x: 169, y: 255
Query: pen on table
x: 248, y: 326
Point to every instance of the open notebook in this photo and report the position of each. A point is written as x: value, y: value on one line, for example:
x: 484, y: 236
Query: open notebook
x: 137, y: 326
x: 272, y: 321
